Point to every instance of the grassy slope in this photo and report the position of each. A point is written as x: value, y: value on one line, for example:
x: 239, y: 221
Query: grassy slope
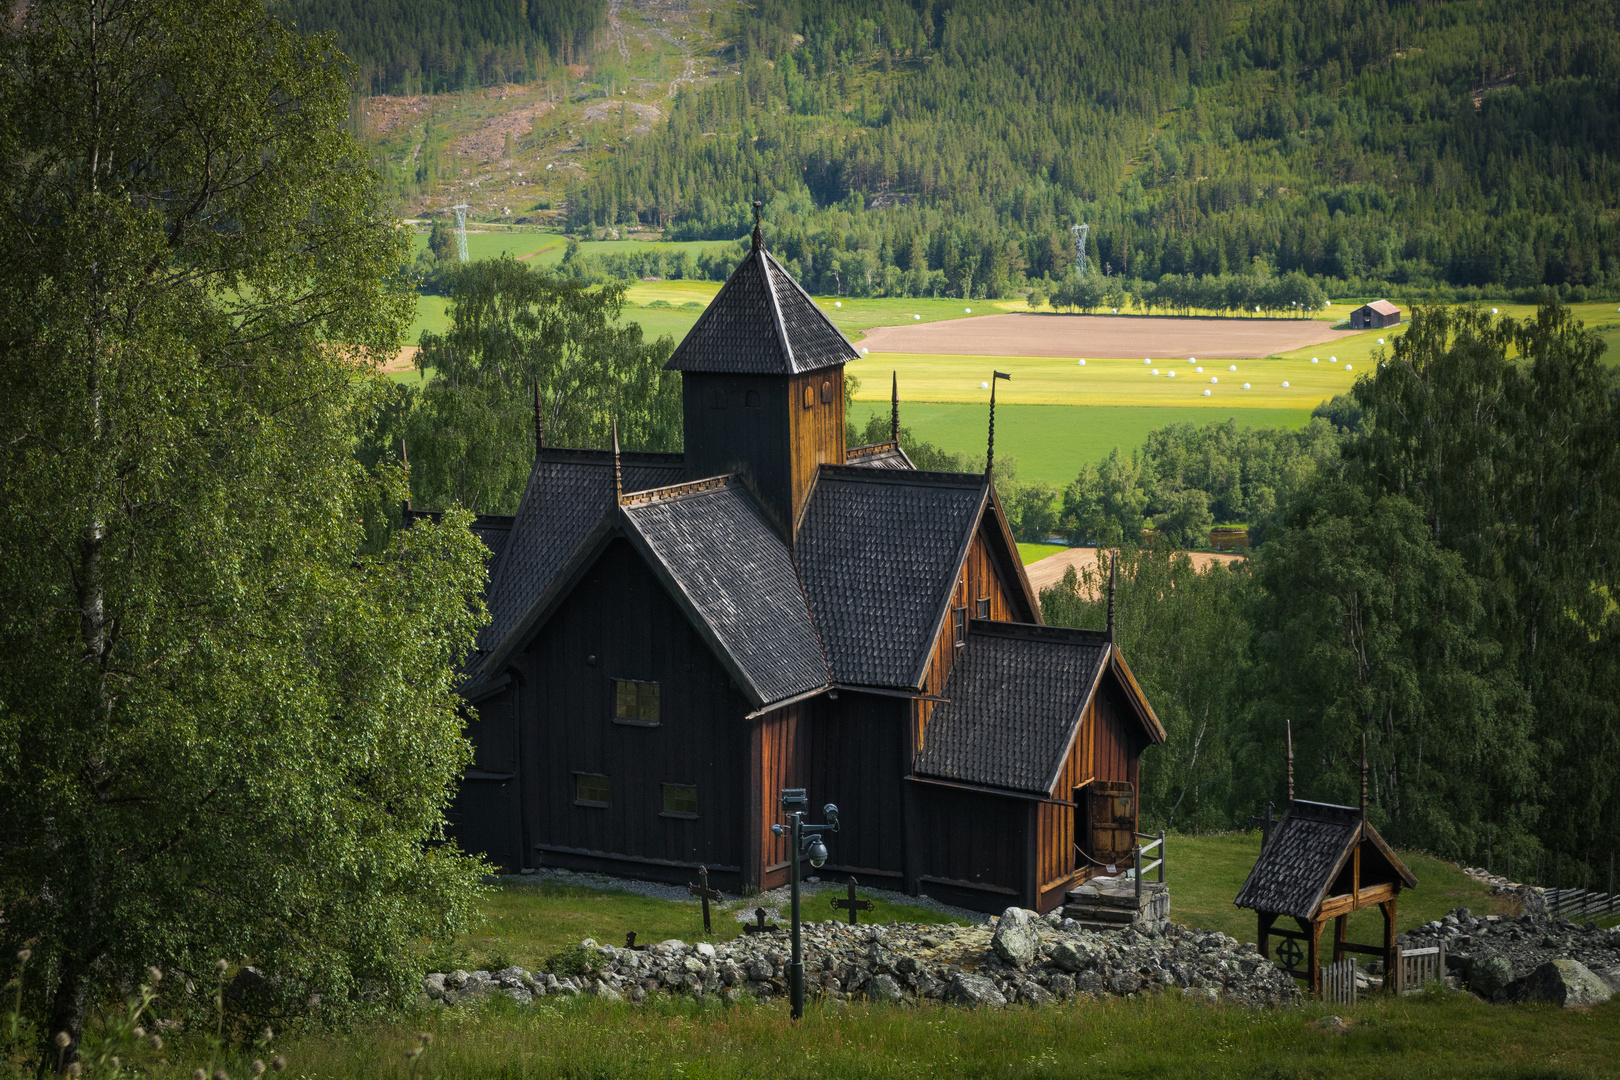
x: 1030, y: 553
x: 1429, y: 1035
x: 1052, y: 442
x: 524, y: 923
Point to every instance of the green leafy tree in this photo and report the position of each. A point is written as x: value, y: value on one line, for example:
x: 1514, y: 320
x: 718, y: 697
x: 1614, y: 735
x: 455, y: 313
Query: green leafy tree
x: 1366, y: 627
x: 224, y: 732
x: 525, y: 346
x: 1185, y: 633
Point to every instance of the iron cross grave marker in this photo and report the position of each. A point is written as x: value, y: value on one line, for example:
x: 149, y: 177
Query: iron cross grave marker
x: 852, y: 905
x: 704, y: 893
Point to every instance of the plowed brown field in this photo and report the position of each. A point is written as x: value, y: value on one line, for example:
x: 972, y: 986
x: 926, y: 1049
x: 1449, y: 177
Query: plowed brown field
x: 1159, y: 337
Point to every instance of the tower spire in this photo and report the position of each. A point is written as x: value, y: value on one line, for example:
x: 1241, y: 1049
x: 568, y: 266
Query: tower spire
x: 1363, y: 779
x: 405, y: 507
x: 1289, y: 727
x: 539, y: 425
x: 1113, y: 583
x: 990, y: 447
x: 759, y: 237
x: 618, y: 470
x: 894, y: 410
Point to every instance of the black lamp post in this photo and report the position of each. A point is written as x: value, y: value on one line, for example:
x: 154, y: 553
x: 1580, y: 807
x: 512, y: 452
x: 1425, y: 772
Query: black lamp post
x: 795, y: 804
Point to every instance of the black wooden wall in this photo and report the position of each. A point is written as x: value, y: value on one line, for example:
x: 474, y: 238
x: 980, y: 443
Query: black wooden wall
x: 859, y: 759
x: 619, y: 623
x: 727, y: 434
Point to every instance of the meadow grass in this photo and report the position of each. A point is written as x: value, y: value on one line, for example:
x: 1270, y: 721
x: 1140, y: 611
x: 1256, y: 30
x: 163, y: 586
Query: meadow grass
x: 1046, y: 380
x: 1433, y: 1034
x: 1053, y: 442
x: 1031, y: 553
x: 523, y: 923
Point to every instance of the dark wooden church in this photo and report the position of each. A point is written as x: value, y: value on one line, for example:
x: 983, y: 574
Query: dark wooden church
x: 676, y: 637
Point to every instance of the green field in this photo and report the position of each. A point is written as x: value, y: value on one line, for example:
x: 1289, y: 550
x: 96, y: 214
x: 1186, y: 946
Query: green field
x: 1052, y: 442
x: 1032, y: 553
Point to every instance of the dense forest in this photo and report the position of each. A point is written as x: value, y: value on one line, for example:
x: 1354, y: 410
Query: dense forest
x: 423, y: 46
x: 1437, y: 577
x: 912, y: 147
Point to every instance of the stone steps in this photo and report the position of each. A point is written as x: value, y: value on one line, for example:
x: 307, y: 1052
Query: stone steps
x: 1111, y: 904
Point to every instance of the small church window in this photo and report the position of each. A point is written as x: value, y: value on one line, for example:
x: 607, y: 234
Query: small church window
x: 809, y: 395
x: 752, y: 400
x: 592, y: 789
x: 826, y: 392
x: 984, y: 608
x: 680, y: 801
x: 959, y: 622
x: 635, y: 702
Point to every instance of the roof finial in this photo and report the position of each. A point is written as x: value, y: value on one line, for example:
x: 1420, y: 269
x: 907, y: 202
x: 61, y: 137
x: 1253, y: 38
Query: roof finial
x: 894, y: 411
x: 1289, y: 727
x: 1363, y: 779
x: 539, y: 425
x: 618, y: 471
x: 759, y: 237
x: 405, y: 459
x: 1113, y: 583
x: 990, y: 447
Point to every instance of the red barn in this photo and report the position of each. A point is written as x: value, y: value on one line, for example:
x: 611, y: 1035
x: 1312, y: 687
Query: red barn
x: 676, y: 637
x: 1375, y: 316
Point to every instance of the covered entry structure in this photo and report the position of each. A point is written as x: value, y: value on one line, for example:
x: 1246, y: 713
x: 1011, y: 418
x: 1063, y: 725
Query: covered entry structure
x: 1322, y: 863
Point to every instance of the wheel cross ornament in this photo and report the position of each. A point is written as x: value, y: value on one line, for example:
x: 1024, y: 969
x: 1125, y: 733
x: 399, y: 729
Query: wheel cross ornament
x: 1289, y: 952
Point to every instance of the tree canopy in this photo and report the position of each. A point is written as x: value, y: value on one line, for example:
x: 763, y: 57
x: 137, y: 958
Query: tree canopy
x: 224, y: 731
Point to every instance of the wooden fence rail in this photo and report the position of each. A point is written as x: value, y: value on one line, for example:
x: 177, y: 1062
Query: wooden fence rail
x: 1581, y: 903
x: 1417, y: 966
x: 1339, y: 982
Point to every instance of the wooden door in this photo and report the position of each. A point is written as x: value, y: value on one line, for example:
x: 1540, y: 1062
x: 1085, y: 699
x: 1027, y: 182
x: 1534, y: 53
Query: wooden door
x: 1111, y: 821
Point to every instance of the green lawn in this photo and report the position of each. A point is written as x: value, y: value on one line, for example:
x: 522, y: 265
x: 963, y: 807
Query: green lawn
x: 1429, y: 1035
x: 1052, y: 442
x: 1031, y: 553
x: 525, y: 923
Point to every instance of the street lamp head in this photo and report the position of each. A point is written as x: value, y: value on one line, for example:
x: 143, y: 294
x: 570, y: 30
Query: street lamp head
x: 818, y: 854
x: 831, y: 812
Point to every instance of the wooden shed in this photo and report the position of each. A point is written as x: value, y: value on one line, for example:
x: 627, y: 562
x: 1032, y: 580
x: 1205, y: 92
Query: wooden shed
x: 1375, y: 316
x: 1321, y: 863
x: 674, y: 638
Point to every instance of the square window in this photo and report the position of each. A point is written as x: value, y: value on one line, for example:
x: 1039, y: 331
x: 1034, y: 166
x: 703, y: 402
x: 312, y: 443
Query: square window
x: 680, y: 800
x: 984, y: 608
x: 592, y: 789
x: 959, y: 622
x: 635, y: 702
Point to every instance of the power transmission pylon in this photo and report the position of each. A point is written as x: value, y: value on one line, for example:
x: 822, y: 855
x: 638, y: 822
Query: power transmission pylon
x: 461, y: 230
x: 1080, y: 232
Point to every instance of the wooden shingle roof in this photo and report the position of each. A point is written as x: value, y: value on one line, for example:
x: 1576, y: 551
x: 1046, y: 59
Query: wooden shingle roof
x: 1307, y: 850
x: 878, y: 456
x: 1014, y: 699
x: 878, y: 550
x: 761, y: 323
x: 735, y: 577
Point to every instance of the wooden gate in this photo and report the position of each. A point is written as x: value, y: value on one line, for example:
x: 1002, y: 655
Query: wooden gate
x: 1339, y: 982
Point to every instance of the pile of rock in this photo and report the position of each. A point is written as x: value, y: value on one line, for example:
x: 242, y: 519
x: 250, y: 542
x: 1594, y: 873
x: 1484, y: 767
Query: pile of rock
x: 1531, y: 957
x: 1022, y: 959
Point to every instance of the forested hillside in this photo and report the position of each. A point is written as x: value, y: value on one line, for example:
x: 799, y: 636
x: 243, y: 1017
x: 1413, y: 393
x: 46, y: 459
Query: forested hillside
x: 422, y: 46
x: 916, y: 147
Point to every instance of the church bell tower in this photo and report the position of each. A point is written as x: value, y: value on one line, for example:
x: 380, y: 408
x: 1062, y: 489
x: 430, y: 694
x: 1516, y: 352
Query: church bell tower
x: 762, y: 374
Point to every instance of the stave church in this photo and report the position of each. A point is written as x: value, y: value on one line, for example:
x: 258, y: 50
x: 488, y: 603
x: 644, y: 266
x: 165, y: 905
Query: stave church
x: 675, y: 638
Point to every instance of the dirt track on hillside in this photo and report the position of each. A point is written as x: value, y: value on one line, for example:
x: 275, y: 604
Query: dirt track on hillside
x: 1159, y: 337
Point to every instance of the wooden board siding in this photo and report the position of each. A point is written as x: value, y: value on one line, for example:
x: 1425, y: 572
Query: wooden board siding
x: 777, y: 743
x: 1117, y: 739
x: 979, y: 578
x: 973, y: 847
x: 859, y: 758
x: 752, y: 440
x: 817, y: 433
x: 619, y: 623
x: 485, y: 816
x: 1058, y: 869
